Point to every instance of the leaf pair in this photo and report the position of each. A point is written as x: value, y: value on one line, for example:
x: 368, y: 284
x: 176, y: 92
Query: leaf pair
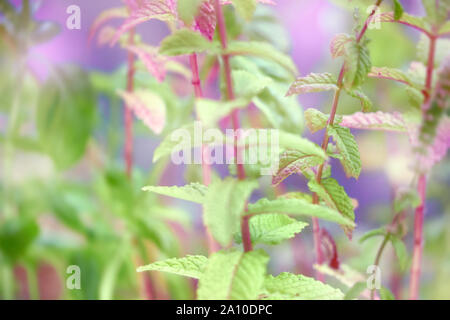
x: 232, y: 274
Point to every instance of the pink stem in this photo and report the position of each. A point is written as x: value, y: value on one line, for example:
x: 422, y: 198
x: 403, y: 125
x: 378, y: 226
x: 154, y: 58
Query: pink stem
x: 229, y: 81
x: 213, y: 246
x: 418, y: 240
x: 421, y: 186
x: 430, y: 69
x: 316, y: 226
x: 245, y: 230
x: 128, y: 114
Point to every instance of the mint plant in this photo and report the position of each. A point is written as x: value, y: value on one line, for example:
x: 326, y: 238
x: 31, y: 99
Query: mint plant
x: 225, y: 202
x: 219, y: 95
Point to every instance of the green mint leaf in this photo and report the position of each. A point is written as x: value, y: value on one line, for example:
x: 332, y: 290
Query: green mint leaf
x: 289, y: 141
x: 288, y: 286
x: 413, y: 21
x: 194, y: 192
x: 272, y: 229
x: 355, y: 291
x: 298, y: 207
x: 373, y: 233
x: 210, y: 111
x: 386, y: 294
x: 183, y: 140
x: 348, y: 149
x: 233, y: 275
x: 315, y: 120
x: 437, y: 11
x: 189, y: 266
x: 262, y: 50
x: 335, y: 197
x: 245, y: 8
x: 188, y: 9
x: 184, y: 42
x: 224, y: 206
x: 398, y: 10
x: 366, y: 103
x: 405, y: 199
x: 284, y: 113
x: 358, y: 64
x: 66, y: 115
x: 400, y: 251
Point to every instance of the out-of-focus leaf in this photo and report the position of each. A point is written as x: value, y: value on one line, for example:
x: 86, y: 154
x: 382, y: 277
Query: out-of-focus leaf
x: 386, y: 294
x: 184, y: 42
x: 66, y: 116
x: 398, y: 10
x: 188, y: 9
x: 44, y: 31
x: 406, y: 199
x: 373, y: 233
x: 355, y: 291
x: 148, y: 107
x: 400, y: 251
x: 262, y: 50
x: 245, y: 8
x: 16, y: 235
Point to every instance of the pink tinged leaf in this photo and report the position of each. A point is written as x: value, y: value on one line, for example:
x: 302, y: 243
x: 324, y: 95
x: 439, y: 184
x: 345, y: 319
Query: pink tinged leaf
x: 148, y: 107
x: 205, y: 21
x: 406, y: 19
x: 133, y: 4
x: 313, y: 82
x: 154, y: 63
x: 375, y: 121
x: 329, y: 249
x: 389, y: 74
x: 150, y: 9
x: 337, y: 45
x: 105, y: 35
x: 105, y: 16
x: 292, y: 162
x: 429, y: 156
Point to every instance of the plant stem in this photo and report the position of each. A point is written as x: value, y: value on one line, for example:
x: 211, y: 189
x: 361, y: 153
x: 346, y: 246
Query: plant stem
x: 316, y: 226
x: 246, y: 238
x: 128, y: 114
x: 378, y: 258
x: 418, y: 240
x: 422, y: 183
x: 128, y: 149
x: 430, y: 69
x: 213, y: 246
